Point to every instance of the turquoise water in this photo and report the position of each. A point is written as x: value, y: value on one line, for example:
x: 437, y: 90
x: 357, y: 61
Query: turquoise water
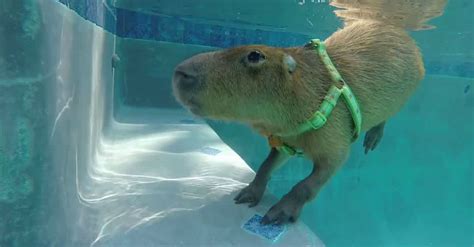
x: 61, y: 93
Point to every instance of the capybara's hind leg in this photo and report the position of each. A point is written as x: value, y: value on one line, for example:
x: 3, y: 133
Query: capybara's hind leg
x: 254, y: 191
x: 373, y: 137
x: 289, y: 207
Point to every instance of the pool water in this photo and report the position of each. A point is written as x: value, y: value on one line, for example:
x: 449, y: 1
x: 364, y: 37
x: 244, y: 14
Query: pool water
x: 95, y: 150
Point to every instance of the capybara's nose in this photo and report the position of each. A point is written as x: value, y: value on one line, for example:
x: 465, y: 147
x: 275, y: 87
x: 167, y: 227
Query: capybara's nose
x: 190, y: 74
x: 185, y: 76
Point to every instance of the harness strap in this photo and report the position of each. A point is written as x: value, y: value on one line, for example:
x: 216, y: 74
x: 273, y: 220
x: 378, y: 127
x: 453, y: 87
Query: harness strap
x: 321, y: 116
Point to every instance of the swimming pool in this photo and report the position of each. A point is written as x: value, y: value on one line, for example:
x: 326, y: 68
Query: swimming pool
x: 95, y: 151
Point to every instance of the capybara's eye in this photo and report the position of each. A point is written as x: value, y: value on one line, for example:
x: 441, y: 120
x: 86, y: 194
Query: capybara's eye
x: 255, y: 57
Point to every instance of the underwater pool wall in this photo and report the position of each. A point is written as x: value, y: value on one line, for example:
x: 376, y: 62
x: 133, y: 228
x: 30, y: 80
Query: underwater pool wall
x: 55, y: 99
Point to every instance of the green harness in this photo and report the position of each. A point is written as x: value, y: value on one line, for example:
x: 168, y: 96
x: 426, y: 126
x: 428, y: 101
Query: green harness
x: 321, y: 116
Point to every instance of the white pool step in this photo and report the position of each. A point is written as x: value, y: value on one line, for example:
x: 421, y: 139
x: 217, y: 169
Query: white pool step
x: 181, y: 182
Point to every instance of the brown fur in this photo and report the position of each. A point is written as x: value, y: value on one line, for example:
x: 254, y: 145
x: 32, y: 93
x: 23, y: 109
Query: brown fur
x: 380, y: 62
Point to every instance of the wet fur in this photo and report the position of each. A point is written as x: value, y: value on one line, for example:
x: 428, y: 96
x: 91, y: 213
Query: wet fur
x: 380, y: 62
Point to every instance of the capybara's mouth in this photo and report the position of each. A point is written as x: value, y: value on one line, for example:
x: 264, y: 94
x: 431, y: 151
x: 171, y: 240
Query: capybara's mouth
x: 188, y: 100
x: 193, y: 106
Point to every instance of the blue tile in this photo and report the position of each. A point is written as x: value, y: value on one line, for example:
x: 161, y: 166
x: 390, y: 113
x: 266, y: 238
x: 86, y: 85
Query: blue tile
x: 210, y: 151
x: 170, y: 29
x: 100, y: 14
x: 241, y: 37
x: 464, y: 69
x: 79, y: 6
x: 261, y: 37
x: 223, y: 37
x: 270, y: 232
x: 195, y: 33
x: 120, y: 23
x: 91, y: 12
x: 110, y: 21
x: 126, y: 22
x: 276, y: 39
x: 217, y: 36
x: 286, y: 40
x: 433, y: 67
x: 299, y: 40
x: 136, y: 26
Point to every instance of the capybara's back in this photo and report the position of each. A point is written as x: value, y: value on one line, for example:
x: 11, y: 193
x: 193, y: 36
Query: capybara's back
x: 382, y: 65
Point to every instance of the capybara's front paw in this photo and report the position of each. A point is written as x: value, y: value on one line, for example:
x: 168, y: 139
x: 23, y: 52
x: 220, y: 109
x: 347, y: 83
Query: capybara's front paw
x: 251, y: 194
x: 288, y: 209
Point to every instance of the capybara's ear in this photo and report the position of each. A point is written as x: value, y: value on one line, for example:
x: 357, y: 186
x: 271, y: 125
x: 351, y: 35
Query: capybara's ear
x: 289, y: 62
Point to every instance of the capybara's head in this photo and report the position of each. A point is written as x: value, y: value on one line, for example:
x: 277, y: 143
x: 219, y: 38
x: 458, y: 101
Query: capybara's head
x: 253, y: 84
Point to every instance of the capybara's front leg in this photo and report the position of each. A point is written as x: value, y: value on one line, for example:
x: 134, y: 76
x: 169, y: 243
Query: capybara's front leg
x: 289, y: 207
x: 253, y: 193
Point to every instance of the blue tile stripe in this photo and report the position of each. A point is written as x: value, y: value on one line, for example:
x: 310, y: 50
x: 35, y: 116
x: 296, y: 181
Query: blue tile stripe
x: 131, y: 24
x: 96, y: 11
x: 137, y: 25
x: 459, y: 68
